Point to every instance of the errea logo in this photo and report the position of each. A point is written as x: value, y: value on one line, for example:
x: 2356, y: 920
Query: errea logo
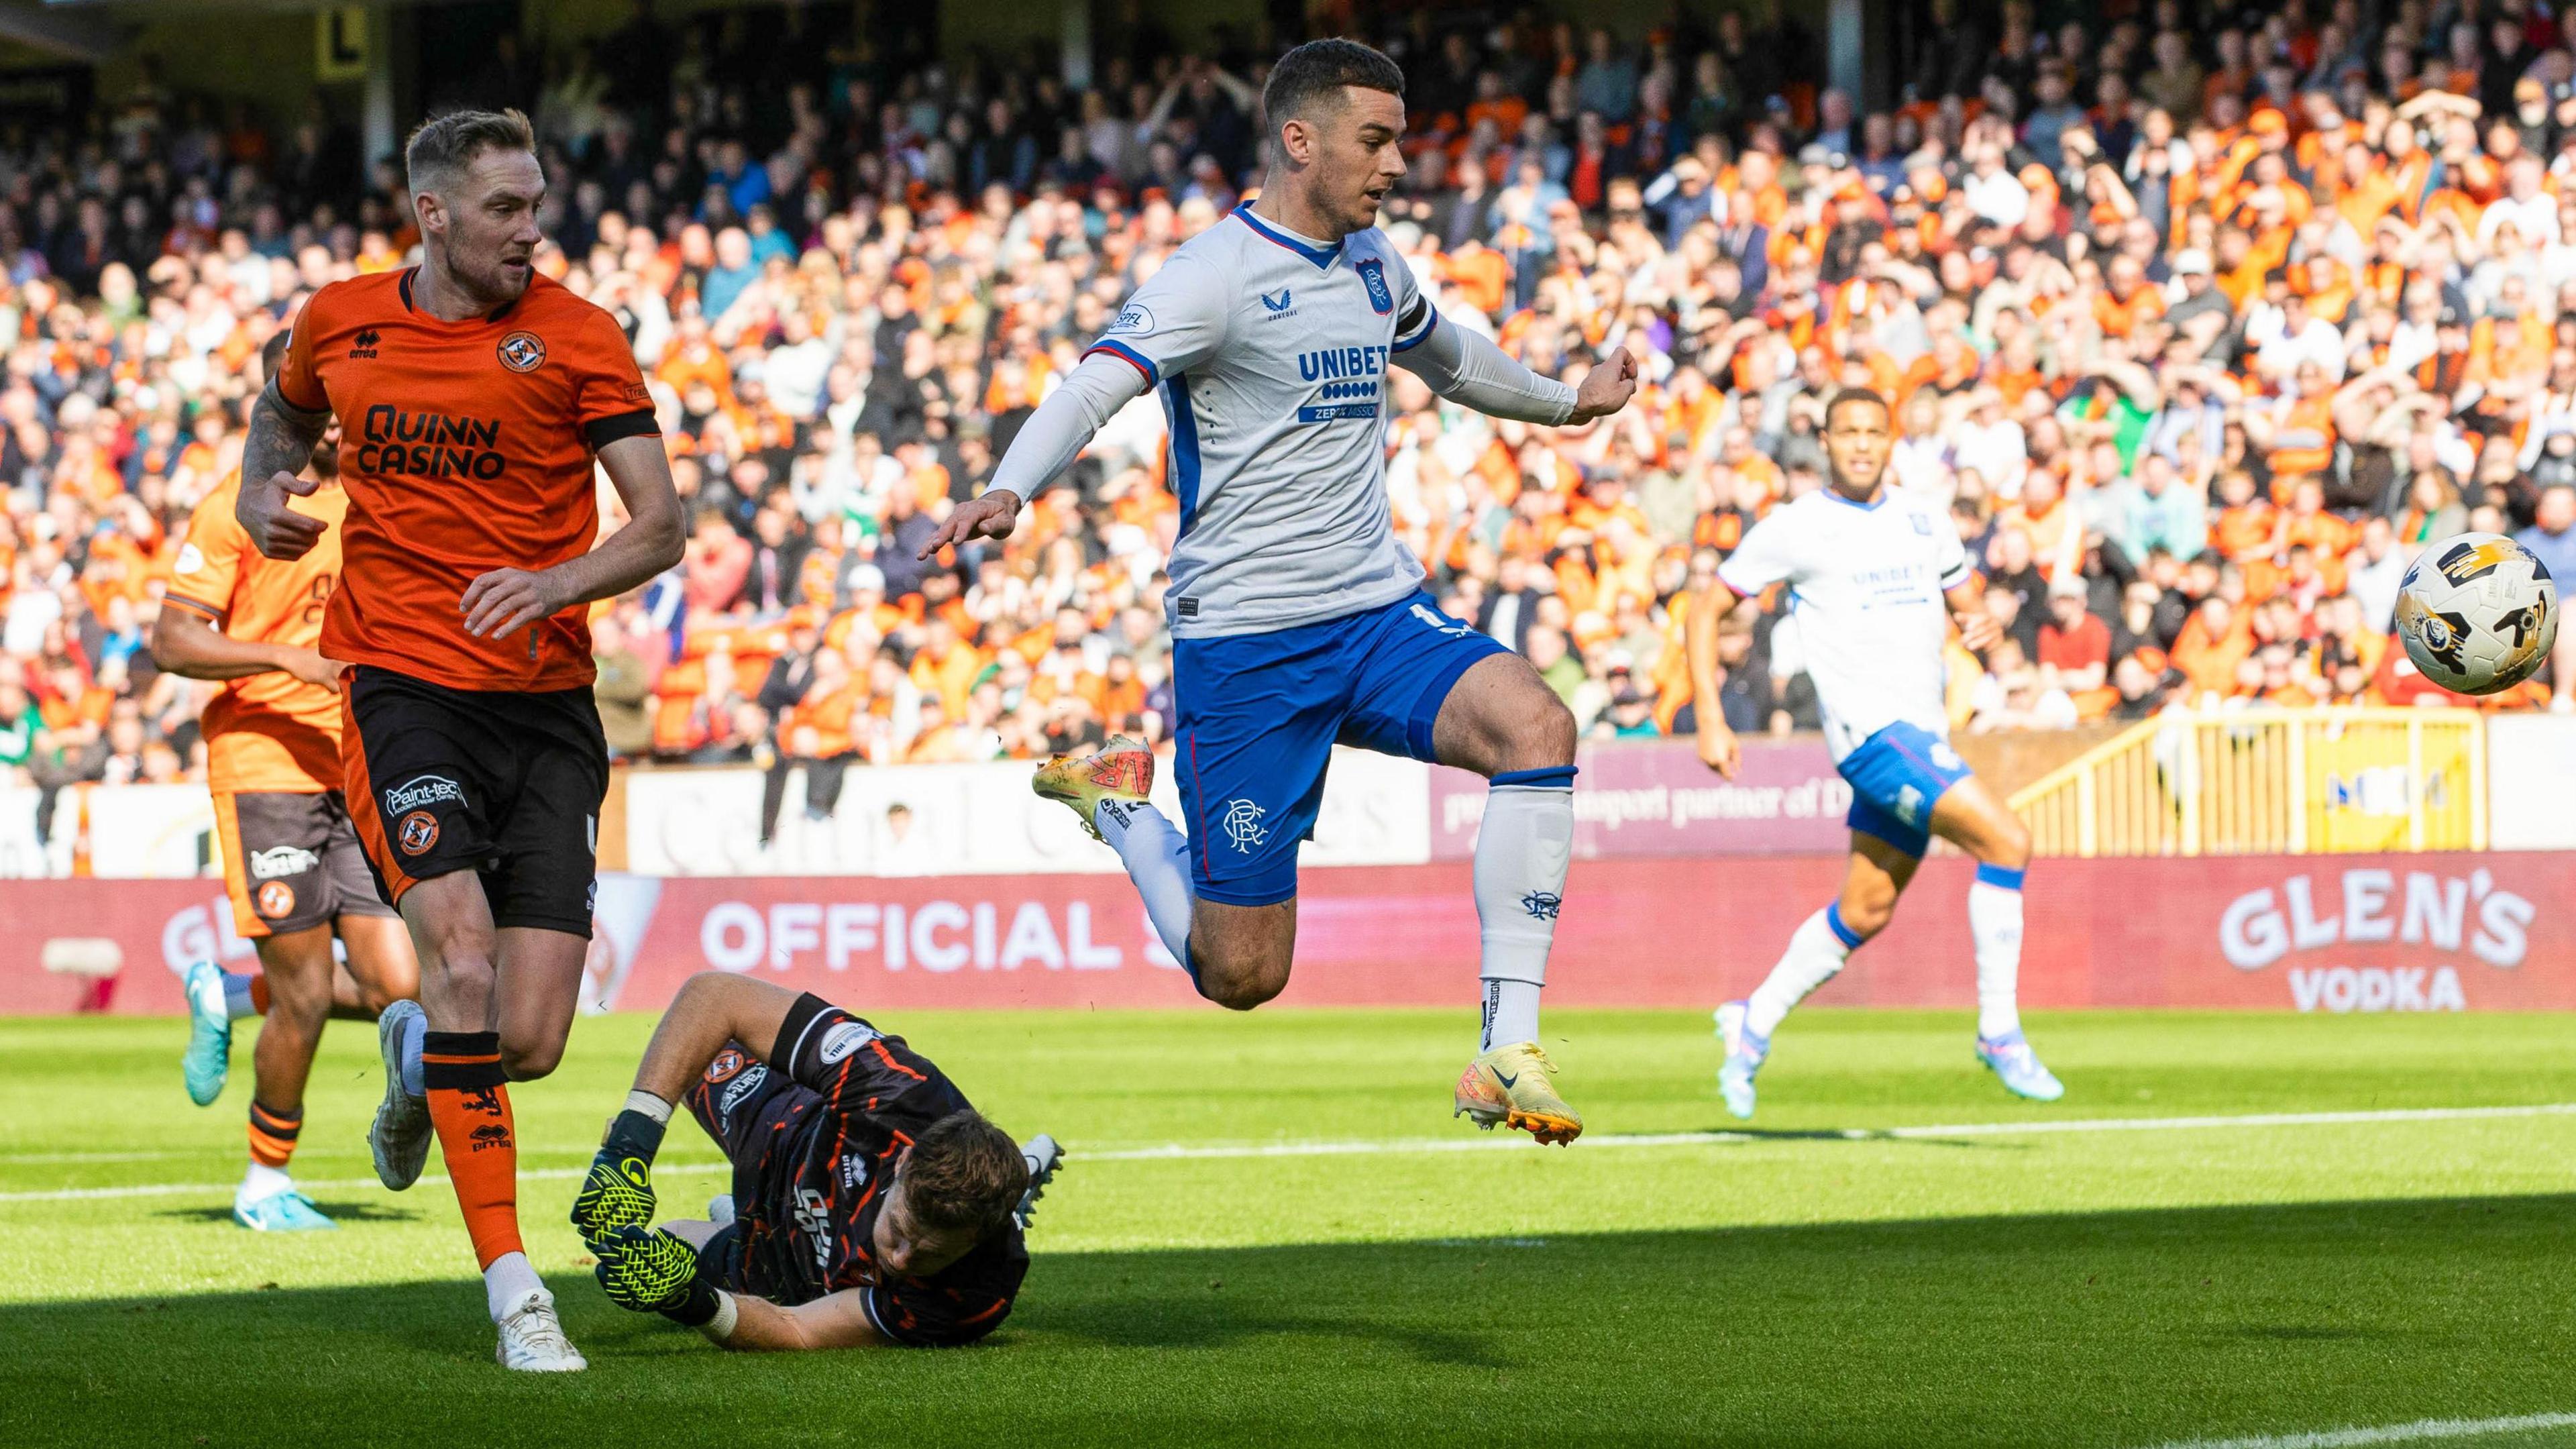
x: 364, y: 344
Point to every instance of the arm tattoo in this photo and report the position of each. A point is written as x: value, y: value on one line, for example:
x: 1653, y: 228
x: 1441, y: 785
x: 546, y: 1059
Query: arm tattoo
x: 281, y: 436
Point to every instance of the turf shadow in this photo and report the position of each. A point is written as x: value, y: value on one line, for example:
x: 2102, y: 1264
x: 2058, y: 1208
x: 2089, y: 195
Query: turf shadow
x: 2098, y: 1329
x: 355, y: 1211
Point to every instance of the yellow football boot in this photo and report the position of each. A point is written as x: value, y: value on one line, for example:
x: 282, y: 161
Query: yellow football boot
x: 1509, y: 1086
x: 1122, y: 769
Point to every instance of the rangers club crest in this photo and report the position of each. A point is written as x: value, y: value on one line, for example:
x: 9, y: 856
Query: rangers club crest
x: 523, y: 352
x: 1242, y: 825
x: 1373, y: 276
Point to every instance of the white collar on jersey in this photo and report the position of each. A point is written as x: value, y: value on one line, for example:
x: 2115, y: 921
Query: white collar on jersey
x: 1316, y: 252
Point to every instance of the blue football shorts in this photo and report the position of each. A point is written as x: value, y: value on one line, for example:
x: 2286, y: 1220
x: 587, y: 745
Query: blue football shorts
x: 1897, y: 776
x: 1260, y: 714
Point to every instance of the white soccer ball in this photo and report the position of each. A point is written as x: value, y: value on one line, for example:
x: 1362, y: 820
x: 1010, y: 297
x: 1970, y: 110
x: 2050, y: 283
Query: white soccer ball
x: 2477, y: 613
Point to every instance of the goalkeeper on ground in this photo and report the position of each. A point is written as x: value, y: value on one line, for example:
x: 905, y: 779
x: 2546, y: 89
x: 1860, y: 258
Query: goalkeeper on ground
x: 871, y: 1204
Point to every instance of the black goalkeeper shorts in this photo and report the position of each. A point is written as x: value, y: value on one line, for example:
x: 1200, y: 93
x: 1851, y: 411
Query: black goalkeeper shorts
x: 503, y: 784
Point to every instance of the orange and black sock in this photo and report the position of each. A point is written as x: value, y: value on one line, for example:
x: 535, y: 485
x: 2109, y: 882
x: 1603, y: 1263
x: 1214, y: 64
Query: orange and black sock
x: 272, y: 1134
x: 469, y: 1105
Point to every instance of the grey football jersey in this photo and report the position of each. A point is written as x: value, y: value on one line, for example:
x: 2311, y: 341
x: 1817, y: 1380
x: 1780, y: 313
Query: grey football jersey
x: 1270, y: 356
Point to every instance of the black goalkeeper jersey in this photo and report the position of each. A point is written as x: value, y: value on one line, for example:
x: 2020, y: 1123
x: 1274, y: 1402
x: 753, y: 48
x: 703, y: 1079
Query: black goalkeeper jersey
x: 813, y: 1151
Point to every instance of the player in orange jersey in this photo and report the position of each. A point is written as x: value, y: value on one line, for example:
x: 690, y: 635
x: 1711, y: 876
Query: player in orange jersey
x: 476, y: 399
x: 291, y: 860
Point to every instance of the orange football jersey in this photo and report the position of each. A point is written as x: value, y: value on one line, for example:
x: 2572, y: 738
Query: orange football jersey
x: 465, y: 447
x: 267, y: 731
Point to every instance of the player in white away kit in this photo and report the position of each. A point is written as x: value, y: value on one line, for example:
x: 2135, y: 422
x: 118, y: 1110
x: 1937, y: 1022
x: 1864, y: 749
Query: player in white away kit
x: 1869, y: 570
x: 1298, y: 620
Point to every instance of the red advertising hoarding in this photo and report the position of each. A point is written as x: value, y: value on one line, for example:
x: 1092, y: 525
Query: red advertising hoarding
x: 1636, y: 799
x: 2316, y: 933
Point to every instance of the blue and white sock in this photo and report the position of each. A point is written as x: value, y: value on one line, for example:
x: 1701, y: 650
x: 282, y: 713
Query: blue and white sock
x: 414, y: 1030
x: 1157, y: 857
x: 237, y: 1002
x: 1522, y: 853
x: 1994, y: 919
x: 1817, y: 950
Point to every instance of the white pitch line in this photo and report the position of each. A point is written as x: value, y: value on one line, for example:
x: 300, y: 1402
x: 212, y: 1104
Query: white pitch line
x: 1176, y: 1152
x: 326, y: 1184
x: 2417, y: 1432
x: 1180, y: 1152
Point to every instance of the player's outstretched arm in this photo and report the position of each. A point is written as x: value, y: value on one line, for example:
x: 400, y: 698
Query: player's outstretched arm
x: 835, y: 1320
x: 188, y: 644
x: 1977, y: 628
x: 1708, y: 609
x: 711, y: 1009
x: 277, y: 446
x: 1046, y: 445
x: 1471, y: 371
x: 508, y: 599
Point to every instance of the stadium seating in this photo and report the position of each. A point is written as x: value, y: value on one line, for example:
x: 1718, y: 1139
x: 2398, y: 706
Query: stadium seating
x: 2197, y: 364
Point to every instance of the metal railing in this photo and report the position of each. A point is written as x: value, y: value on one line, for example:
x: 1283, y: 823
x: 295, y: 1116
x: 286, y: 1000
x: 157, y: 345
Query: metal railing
x: 2269, y: 781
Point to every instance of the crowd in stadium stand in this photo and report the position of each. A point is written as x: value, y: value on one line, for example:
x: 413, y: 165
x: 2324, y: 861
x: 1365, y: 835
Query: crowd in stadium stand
x: 2199, y: 327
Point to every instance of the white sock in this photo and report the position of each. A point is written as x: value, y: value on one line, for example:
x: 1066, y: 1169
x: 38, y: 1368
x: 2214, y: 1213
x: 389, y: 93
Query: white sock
x: 414, y: 1080
x: 1157, y: 857
x: 1522, y: 852
x: 237, y: 996
x: 1817, y: 949
x: 650, y: 1105
x: 508, y: 1281
x: 264, y: 1181
x: 1994, y: 917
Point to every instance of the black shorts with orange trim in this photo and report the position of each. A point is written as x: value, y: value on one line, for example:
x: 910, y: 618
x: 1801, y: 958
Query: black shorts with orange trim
x: 507, y: 785
x: 292, y: 862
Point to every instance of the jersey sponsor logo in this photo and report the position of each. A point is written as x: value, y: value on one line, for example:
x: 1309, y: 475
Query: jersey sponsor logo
x: 740, y: 1090
x: 1373, y: 276
x: 1242, y: 825
x: 814, y: 1220
x: 280, y: 860
x: 417, y: 833
x: 523, y: 352
x: 844, y: 1039
x: 1335, y: 412
x: 392, y: 441
x: 854, y: 1169
x: 364, y: 344
x: 1134, y: 317
x: 276, y: 900
x: 191, y: 559
x: 423, y: 790
x: 1276, y: 303
x: 1327, y: 364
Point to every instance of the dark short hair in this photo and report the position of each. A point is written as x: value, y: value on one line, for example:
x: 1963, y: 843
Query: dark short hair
x: 1312, y: 76
x: 1855, y: 395
x: 966, y: 1174
x: 443, y: 146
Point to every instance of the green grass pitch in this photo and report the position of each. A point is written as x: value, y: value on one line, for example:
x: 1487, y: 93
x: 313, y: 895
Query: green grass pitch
x: 1797, y: 1285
